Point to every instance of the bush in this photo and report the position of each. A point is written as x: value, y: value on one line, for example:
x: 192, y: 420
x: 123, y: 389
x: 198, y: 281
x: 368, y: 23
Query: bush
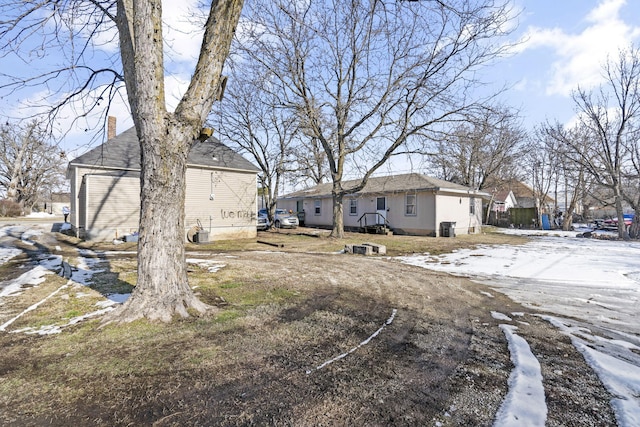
x: 10, y: 208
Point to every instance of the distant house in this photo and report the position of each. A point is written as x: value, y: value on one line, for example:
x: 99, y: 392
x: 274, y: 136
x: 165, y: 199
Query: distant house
x: 221, y: 190
x: 503, y: 201
x: 410, y: 204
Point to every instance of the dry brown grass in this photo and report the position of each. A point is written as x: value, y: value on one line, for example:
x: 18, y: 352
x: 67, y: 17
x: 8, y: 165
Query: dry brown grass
x: 281, y: 312
x: 301, y: 240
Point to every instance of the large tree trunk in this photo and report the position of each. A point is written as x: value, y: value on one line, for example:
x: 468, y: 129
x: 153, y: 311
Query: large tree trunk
x: 634, y: 230
x: 338, y: 216
x: 163, y: 289
x: 622, y: 228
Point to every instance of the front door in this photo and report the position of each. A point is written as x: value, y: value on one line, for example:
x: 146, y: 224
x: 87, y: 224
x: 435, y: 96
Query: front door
x: 300, y: 211
x: 381, y: 209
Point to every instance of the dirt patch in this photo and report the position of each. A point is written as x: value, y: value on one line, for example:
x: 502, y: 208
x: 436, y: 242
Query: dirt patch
x: 261, y: 361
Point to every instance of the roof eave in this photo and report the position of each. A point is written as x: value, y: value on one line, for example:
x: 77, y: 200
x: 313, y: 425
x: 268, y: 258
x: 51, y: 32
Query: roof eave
x: 229, y: 168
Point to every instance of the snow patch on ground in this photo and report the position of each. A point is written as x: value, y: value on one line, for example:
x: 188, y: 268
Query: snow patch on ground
x: 7, y: 253
x: 525, y: 402
x: 212, y: 266
x: 615, y: 361
x: 595, y: 282
x: 500, y: 316
x: 33, y: 277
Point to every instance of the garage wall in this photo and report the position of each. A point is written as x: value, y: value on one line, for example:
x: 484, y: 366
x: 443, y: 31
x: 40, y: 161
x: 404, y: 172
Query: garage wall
x: 112, y: 206
x: 224, y: 201
x: 105, y: 207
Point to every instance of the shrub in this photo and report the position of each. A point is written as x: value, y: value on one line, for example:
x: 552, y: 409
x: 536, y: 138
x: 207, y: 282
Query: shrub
x: 10, y: 208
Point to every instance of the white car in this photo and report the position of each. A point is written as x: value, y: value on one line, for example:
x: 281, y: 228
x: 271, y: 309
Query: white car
x: 262, y: 222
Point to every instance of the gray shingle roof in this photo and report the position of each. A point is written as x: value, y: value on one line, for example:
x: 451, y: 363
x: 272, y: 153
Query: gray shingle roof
x: 123, y: 152
x: 387, y: 184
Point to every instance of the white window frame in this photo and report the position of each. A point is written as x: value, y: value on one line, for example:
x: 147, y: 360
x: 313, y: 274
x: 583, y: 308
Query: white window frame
x: 407, y: 204
x: 353, y: 207
x: 317, y: 207
x: 472, y: 206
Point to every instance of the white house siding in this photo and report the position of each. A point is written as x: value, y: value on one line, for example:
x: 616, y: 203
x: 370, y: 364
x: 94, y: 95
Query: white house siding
x: 420, y: 224
x: 232, y: 213
x: 324, y: 220
x: 112, y: 206
x: 223, y: 201
x: 365, y: 204
x: 88, y: 207
x: 431, y: 210
x: 456, y: 208
x: 79, y: 221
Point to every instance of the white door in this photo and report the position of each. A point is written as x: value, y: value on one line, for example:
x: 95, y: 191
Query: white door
x: 381, y: 209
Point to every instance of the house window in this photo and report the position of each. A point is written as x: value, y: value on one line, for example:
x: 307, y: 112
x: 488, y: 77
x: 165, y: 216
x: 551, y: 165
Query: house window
x: 410, y: 205
x: 317, y: 204
x: 353, y: 207
x: 472, y: 205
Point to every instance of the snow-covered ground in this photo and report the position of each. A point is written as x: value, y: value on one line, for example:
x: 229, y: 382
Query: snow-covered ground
x: 589, y: 289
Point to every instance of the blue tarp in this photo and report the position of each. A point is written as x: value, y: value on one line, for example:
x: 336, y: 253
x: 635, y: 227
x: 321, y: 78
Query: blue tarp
x: 545, y: 222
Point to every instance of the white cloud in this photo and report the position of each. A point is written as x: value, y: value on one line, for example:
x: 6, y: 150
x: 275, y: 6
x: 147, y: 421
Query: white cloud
x: 579, y: 57
x: 182, y: 31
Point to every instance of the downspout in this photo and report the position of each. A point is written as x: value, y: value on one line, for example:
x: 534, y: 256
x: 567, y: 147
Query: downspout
x: 86, y: 206
x: 474, y: 209
x: 436, y: 229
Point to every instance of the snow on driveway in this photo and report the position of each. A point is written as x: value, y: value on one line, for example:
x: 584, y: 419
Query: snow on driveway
x: 590, y: 286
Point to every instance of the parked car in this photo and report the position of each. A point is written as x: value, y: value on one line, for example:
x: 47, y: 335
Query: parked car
x: 282, y: 218
x: 263, y: 222
x: 612, y: 223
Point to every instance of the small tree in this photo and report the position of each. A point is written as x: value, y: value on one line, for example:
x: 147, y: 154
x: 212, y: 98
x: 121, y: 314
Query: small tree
x: 483, y: 150
x: 542, y: 167
x: 30, y: 167
x: 253, y: 120
x: 631, y: 181
x: 569, y: 146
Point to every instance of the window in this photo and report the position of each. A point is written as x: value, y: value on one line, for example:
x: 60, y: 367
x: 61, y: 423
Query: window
x: 410, y: 205
x: 472, y: 205
x: 353, y: 207
x: 316, y: 205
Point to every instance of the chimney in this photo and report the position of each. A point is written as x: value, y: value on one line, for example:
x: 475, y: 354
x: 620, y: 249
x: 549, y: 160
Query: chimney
x: 111, y: 127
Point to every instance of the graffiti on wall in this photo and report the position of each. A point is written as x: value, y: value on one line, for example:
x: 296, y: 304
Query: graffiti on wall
x: 238, y: 214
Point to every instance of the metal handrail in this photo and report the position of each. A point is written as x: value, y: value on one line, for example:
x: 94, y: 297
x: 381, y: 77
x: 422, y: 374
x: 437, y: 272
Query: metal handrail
x: 364, y: 215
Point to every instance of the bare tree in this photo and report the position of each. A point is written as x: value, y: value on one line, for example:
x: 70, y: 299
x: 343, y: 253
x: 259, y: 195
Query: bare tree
x: 631, y: 180
x: 568, y: 146
x: 368, y: 79
x: 30, y: 166
x: 610, y: 114
x: 542, y: 166
x: 76, y: 28
x: 253, y: 120
x: 482, y: 151
x: 62, y: 49
x: 310, y: 161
